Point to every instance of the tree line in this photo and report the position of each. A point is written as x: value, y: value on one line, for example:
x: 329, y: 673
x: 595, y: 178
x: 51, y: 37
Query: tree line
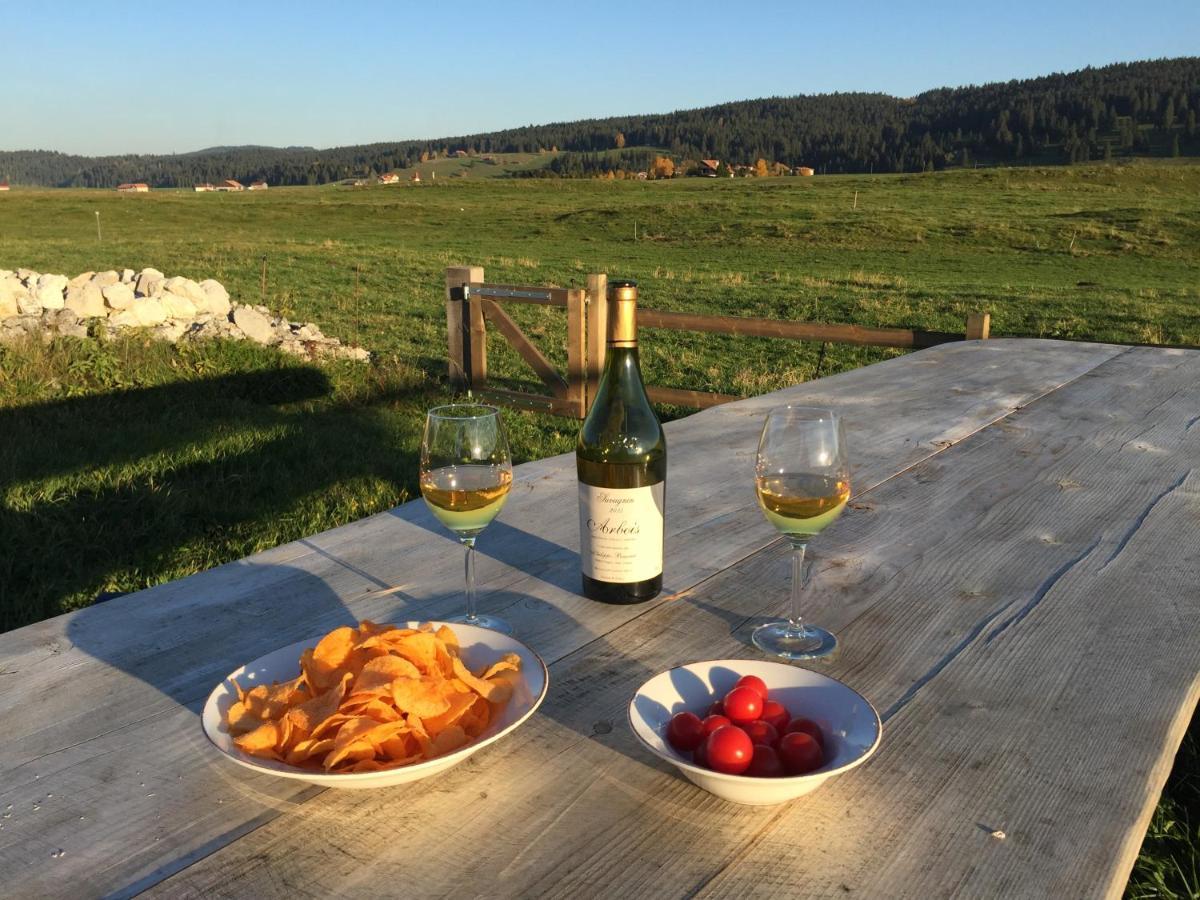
x: 1139, y: 108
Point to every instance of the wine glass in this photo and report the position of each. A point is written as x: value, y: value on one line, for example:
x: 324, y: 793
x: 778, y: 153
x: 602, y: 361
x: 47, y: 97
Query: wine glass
x: 802, y: 479
x: 466, y: 473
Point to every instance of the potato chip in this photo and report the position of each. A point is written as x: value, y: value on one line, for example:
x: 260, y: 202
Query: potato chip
x: 419, y: 696
x: 371, y: 698
x: 494, y: 690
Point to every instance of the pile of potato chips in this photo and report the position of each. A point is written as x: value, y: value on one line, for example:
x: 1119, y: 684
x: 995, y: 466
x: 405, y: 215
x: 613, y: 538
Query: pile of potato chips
x: 372, y: 697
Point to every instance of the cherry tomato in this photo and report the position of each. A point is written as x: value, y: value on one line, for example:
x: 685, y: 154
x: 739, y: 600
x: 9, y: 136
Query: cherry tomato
x: 743, y: 705
x: 776, y: 714
x: 800, y: 753
x: 806, y: 726
x: 762, y: 732
x: 717, y: 709
x: 766, y: 763
x: 700, y: 755
x: 712, y: 723
x: 755, y: 683
x: 685, y: 732
x: 729, y: 750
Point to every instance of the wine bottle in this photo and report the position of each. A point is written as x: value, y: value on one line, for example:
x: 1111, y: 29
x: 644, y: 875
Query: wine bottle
x: 621, y: 460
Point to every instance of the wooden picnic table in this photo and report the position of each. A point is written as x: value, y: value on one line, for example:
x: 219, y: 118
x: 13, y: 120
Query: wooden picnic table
x: 1014, y: 586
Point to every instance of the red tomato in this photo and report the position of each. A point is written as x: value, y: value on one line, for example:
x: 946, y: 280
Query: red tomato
x: 685, y: 732
x: 729, y: 750
x: 743, y: 705
x: 776, y: 714
x: 712, y: 723
x: 762, y: 732
x: 717, y: 709
x: 800, y: 753
x: 700, y: 755
x: 806, y: 726
x: 755, y: 683
x: 766, y: 763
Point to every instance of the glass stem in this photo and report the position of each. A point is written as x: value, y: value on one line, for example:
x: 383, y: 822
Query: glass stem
x: 795, y: 622
x: 470, y: 573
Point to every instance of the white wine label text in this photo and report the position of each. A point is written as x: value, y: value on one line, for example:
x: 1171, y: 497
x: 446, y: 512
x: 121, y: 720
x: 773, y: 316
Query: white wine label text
x: 621, y: 532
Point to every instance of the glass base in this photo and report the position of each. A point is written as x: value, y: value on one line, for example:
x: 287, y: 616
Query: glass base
x: 781, y: 639
x: 494, y: 623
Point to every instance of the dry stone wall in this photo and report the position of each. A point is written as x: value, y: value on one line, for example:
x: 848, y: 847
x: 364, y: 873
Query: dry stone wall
x: 171, y: 309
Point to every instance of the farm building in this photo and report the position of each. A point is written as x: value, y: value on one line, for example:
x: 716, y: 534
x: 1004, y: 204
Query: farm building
x: 4, y: 185
x: 230, y: 185
x: 257, y: 186
x: 389, y: 178
x: 708, y: 168
x: 416, y: 178
x: 139, y: 187
x: 203, y: 188
x: 803, y: 170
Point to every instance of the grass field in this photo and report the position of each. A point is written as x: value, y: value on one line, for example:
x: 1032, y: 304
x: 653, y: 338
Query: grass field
x: 130, y: 463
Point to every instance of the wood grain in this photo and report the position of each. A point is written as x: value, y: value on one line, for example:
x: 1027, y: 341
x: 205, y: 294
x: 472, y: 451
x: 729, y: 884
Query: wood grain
x: 99, y: 706
x: 1025, y: 688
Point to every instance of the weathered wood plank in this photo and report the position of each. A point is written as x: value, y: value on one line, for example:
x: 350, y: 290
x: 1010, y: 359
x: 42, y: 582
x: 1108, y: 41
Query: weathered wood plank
x: 682, y: 397
x: 796, y: 331
x: 556, y: 297
x: 113, y: 690
x: 1023, y: 690
x: 576, y: 352
x: 597, y: 330
x: 457, y: 330
x: 531, y: 354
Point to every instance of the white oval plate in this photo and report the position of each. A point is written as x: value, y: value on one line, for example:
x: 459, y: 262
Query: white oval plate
x: 851, y: 725
x: 478, y: 647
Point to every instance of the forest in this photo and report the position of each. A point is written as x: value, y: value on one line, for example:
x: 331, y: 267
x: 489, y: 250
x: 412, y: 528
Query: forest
x: 1146, y: 108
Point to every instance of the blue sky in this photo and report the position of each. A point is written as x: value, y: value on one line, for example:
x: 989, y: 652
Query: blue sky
x: 105, y: 77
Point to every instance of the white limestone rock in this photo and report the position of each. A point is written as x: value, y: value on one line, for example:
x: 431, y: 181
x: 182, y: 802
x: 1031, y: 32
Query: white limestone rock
x: 118, y: 296
x: 29, y: 305
x: 178, y: 306
x: 127, y: 276
x: 50, y: 291
x: 255, y: 325
x: 104, y: 279
x: 148, y: 311
x: 170, y: 331
x: 123, y: 319
x: 81, y: 278
x: 185, y: 287
x: 86, y: 301
x: 149, y: 282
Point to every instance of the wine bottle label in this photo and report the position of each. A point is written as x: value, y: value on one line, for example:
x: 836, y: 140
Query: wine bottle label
x: 621, y: 532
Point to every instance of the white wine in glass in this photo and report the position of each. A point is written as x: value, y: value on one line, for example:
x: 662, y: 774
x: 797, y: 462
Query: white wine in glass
x: 466, y: 474
x: 802, y: 480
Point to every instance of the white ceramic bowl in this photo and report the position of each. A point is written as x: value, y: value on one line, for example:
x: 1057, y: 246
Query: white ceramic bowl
x: 850, y: 723
x: 479, y: 647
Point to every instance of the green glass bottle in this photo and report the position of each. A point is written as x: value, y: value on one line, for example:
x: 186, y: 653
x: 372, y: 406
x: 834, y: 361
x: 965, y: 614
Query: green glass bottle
x: 621, y: 459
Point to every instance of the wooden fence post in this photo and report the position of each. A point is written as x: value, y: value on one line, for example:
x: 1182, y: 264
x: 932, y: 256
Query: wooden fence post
x: 596, y: 331
x: 979, y: 325
x: 458, y: 323
x: 478, y: 374
x: 576, y: 351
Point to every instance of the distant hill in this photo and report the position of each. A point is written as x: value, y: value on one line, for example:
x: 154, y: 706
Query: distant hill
x: 1138, y: 108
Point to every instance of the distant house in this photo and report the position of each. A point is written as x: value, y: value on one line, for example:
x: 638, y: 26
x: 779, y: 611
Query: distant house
x: 416, y: 178
x: 133, y: 188
x: 257, y: 186
x: 803, y: 170
x: 461, y: 154
x: 389, y: 178
x: 203, y: 188
x: 230, y: 185
x: 4, y: 185
x: 708, y: 168
x: 641, y: 176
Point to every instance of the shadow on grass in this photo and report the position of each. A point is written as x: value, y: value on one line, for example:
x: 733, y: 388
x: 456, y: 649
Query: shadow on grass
x: 118, y: 490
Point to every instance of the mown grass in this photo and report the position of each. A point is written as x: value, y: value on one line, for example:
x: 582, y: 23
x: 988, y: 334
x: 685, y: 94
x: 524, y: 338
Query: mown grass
x: 130, y: 463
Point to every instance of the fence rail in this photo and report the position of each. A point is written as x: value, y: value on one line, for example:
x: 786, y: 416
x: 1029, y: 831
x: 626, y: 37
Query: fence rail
x: 472, y: 303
